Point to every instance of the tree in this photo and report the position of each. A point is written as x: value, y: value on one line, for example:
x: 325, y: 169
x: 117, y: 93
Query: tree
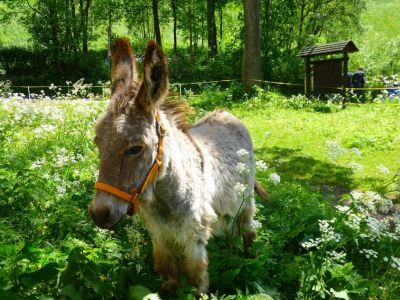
x: 251, y: 68
x: 56, y: 25
x: 84, y: 7
x: 211, y: 28
x: 287, y: 26
x: 175, y: 21
x: 156, y: 22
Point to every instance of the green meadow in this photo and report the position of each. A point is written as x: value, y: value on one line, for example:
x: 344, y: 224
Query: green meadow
x: 330, y: 229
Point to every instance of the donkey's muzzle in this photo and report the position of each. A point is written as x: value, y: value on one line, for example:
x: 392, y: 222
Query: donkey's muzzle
x: 101, y: 216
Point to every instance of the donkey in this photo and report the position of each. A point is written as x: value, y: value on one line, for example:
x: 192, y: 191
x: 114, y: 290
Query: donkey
x: 181, y: 176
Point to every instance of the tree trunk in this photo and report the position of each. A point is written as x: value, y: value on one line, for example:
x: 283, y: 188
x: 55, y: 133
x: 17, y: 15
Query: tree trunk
x: 156, y: 23
x: 84, y: 20
x: 211, y: 28
x: 190, y: 30
x: 55, y: 45
x: 174, y: 14
x: 109, y: 35
x: 68, y: 30
x: 220, y: 23
x: 251, y: 68
x: 75, y: 38
x: 85, y: 48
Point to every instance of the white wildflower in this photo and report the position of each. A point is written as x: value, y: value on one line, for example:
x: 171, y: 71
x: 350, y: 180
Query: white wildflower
x: 338, y: 257
x: 356, y: 151
x: 395, y: 263
x: 356, y: 167
x: 342, y: 209
x: 335, y: 149
x: 311, y: 243
x: 61, y: 190
x: 62, y: 157
x: 353, y: 221
x: 383, y: 169
x: 357, y: 195
x: 369, y: 253
x: 240, y: 188
x: 275, y: 178
x: 327, y: 232
x: 37, y: 164
x: 44, y: 128
x: 256, y: 224
x: 261, y: 165
x: 385, y: 205
x: 377, y: 229
x: 242, y: 168
x: 243, y: 154
x: 370, y: 200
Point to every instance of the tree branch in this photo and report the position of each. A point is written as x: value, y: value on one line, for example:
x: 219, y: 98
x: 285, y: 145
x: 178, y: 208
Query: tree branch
x: 34, y: 9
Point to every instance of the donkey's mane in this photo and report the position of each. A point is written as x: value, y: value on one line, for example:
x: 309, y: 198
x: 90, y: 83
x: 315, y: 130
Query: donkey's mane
x: 178, y: 111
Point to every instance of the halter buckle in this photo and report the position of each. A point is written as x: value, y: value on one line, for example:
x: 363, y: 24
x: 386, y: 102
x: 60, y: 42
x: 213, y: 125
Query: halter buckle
x: 160, y: 129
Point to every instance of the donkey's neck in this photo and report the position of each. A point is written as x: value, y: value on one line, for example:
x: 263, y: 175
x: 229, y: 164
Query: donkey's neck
x: 183, y: 178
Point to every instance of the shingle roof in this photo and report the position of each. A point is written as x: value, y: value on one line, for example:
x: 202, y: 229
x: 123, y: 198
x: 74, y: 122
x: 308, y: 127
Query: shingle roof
x: 338, y: 47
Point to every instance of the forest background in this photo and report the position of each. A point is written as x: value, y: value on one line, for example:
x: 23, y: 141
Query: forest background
x: 53, y: 41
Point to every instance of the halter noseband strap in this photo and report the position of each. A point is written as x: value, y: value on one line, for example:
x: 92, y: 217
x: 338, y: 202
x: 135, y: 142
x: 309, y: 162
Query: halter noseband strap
x: 133, y: 195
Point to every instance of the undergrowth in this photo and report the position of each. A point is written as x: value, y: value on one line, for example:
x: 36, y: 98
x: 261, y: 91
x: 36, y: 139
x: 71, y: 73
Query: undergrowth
x: 309, y: 245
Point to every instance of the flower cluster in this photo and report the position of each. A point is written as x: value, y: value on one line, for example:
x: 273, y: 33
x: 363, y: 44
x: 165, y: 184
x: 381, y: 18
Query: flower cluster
x: 369, y: 253
x: 335, y: 150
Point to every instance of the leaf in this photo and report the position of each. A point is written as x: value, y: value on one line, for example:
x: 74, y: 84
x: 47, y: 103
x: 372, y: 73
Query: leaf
x: 228, y: 277
x: 46, y: 273
x: 9, y: 295
x: 340, y: 294
x: 341, y: 271
x: 11, y: 250
x: 139, y: 292
x: 71, y: 292
x: 261, y: 297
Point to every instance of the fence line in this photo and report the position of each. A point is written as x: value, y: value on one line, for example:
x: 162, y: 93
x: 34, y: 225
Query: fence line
x: 180, y: 85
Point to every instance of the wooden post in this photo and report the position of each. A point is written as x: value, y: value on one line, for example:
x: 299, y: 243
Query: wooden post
x: 307, y: 79
x: 345, y: 72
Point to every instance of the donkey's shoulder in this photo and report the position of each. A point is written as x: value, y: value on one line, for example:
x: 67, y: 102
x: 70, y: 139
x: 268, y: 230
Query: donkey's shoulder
x: 222, y: 129
x: 219, y: 117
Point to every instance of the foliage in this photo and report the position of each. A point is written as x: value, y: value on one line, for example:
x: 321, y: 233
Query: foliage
x: 33, y: 67
x: 66, y: 30
x: 324, y: 233
x: 379, y: 41
x: 4, y: 84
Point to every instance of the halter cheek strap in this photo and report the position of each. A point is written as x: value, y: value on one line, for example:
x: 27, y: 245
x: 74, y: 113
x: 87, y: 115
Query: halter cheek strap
x: 134, y: 194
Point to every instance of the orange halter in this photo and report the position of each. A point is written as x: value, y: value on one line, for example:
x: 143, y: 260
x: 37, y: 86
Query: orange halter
x: 133, y: 195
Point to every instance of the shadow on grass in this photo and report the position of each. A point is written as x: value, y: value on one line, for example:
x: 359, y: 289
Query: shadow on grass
x: 330, y: 179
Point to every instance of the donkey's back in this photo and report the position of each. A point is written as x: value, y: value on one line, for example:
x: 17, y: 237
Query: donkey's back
x: 228, y: 165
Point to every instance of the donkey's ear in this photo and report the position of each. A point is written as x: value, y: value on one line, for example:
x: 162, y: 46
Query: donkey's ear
x: 155, y: 77
x: 123, y: 65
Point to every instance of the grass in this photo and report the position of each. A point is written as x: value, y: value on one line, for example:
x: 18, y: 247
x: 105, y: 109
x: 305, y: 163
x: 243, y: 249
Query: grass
x: 380, y: 27
x: 50, y: 248
x: 297, y: 143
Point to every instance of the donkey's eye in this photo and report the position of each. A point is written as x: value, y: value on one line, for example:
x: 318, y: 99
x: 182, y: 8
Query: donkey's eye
x: 134, y: 150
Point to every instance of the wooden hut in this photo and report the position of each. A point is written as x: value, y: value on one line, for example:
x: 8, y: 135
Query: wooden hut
x: 327, y: 67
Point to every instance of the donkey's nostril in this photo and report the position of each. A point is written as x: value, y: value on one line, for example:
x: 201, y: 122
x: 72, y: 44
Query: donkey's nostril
x: 101, y: 216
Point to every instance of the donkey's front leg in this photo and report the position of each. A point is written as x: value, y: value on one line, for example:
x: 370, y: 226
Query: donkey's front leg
x: 166, y: 264
x: 195, y: 265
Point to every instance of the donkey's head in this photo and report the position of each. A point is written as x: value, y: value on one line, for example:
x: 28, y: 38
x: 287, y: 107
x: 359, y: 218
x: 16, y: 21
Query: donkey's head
x: 127, y: 135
